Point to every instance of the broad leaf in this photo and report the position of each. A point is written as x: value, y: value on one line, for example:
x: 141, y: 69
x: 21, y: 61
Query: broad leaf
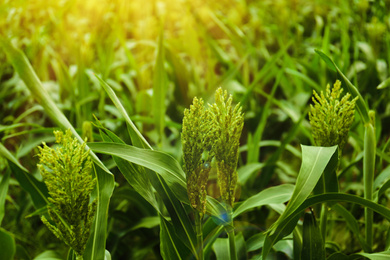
x: 314, y: 161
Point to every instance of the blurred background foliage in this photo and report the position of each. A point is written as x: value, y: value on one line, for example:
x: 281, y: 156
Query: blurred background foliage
x: 262, y: 52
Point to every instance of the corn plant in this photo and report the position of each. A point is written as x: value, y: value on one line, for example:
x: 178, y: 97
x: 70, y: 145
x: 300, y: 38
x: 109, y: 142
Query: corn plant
x: 156, y: 161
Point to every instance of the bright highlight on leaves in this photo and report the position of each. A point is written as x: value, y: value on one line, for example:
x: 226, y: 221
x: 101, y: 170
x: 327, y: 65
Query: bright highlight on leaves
x: 66, y: 171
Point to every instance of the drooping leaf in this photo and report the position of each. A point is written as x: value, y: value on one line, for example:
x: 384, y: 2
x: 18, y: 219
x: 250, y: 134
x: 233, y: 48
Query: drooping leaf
x: 160, y: 162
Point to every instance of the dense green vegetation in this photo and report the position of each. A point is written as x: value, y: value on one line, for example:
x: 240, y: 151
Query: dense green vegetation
x: 121, y: 74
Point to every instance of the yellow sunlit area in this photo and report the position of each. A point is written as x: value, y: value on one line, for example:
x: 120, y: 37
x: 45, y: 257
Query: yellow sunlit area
x: 178, y: 129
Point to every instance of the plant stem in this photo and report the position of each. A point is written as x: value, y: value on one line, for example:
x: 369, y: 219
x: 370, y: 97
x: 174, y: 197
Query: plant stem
x: 323, y: 220
x: 232, y: 242
x: 368, y: 173
x: 199, y: 235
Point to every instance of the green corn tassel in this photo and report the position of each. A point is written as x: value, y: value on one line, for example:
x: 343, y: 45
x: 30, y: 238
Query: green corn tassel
x: 331, y: 117
x: 227, y: 122
x: 66, y: 171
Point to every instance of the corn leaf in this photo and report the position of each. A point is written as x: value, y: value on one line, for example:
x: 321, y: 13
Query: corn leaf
x: 159, y: 89
x: 273, y: 195
x: 314, y: 161
x: 160, y: 162
x: 286, y: 225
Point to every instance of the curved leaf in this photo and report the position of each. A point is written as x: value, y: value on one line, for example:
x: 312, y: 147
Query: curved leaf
x: 287, y: 225
x: 160, y: 162
x: 273, y: 195
x: 314, y: 161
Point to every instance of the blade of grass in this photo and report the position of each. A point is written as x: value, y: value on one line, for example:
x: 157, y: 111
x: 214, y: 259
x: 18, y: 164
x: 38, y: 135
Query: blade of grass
x: 159, y: 89
x: 136, y: 137
x: 3, y: 194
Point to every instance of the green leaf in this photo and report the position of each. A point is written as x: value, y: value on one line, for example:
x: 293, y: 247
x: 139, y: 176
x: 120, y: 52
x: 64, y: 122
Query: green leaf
x: 48, y: 255
x: 385, y: 255
x: 273, y: 195
x: 312, y: 244
x: 352, y: 224
x: 136, y: 176
x: 3, y: 194
x: 7, y: 243
x: 314, y: 161
x: 7, y: 155
x: 221, y: 248
x: 160, y: 162
x: 147, y: 222
x: 361, y: 105
x: 97, y: 240
x: 245, y: 172
x: 37, y: 190
x: 171, y: 246
x: 182, y: 225
x: 136, y: 137
x: 285, y: 226
x: 159, y: 89
x: 384, y: 84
